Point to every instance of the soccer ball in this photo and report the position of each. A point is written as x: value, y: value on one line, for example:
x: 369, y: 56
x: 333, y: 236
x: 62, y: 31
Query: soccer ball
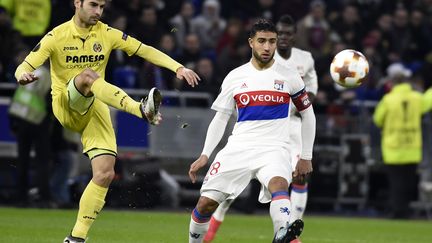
x: 349, y: 68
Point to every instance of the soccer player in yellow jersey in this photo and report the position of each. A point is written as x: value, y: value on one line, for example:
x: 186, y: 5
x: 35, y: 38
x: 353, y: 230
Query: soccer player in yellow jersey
x: 78, y: 51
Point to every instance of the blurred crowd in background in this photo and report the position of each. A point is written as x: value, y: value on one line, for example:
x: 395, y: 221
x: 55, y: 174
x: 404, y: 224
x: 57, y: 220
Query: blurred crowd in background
x: 210, y: 36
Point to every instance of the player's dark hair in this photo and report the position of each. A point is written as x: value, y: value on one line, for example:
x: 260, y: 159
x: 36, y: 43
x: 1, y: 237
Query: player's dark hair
x: 286, y: 19
x: 262, y: 25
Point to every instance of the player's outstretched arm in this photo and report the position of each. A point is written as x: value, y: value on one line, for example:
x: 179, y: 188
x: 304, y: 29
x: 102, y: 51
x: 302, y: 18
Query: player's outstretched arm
x: 189, y: 75
x: 159, y: 58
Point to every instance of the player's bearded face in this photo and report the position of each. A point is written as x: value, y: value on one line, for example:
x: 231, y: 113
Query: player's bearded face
x: 263, y: 46
x: 262, y: 58
x: 90, y: 11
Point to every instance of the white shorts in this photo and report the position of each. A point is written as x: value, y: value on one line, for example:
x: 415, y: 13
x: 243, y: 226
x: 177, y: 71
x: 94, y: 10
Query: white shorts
x: 295, y: 140
x: 235, y: 165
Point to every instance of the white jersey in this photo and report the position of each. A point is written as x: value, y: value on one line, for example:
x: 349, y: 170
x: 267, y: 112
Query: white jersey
x: 262, y: 99
x: 303, y: 61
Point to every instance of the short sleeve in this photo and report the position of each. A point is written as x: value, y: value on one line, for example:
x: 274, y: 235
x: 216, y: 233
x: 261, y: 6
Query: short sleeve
x: 42, y: 51
x: 225, y: 101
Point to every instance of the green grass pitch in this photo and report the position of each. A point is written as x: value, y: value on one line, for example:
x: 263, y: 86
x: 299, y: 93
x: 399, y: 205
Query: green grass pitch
x: 46, y: 226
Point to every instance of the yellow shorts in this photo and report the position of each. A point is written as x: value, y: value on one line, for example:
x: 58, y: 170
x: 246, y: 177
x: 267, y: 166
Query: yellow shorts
x: 89, y: 116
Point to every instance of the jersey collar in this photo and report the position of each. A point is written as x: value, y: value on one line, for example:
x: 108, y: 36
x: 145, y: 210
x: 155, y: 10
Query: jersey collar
x: 82, y: 33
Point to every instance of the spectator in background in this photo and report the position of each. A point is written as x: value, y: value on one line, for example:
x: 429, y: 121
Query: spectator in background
x: 232, y: 34
x: 399, y: 115
x: 148, y: 29
x: 266, y: 9
x: 382, y: 35
x: 31, y: 18
x: 210, y: 82
x: 209, y: 25
x: 420, y: 45
x: 181, y: 22
x: 192, y: 51
x: 132, y: 8
x: 231, y: 49
x: 349, y: 28
x: 120, y: 68
x: 328, y: 93
x: 30, y: 122
x: 10, y: 45
x: 371, y: 89
x: 151, y: 75
x: 314, y: 30
x: 400, y: 36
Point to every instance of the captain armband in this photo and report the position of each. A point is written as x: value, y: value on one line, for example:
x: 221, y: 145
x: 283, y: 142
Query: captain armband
x: 301, y: 100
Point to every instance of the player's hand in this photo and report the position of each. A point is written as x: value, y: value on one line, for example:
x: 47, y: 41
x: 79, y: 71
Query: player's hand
x: 196, y: 166
x: 303, y: 168
x: 189, y: 75
x: 27, y: 78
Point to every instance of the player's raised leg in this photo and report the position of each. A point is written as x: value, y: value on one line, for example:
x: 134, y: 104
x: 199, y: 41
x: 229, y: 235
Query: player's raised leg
x: 89, y: 83
x: 93, y: 197
x: 200, y: 218
x: 216, y: 220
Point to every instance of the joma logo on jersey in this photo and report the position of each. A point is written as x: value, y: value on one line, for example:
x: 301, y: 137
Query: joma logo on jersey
x: 70, y: 48
x: 84, y: 58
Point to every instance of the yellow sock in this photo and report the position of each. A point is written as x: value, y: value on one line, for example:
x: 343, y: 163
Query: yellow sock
x: 91, y: 203
x: 115, y: 97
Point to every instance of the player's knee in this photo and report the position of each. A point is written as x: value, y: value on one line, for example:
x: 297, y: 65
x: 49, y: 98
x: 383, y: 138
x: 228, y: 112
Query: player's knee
x: 206, y: 205
x: 103, y: 178
x: 278, y: 184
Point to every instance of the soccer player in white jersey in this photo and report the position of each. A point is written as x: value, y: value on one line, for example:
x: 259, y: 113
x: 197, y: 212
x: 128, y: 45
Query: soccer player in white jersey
x: 304, y: 63
x: 261, y: 91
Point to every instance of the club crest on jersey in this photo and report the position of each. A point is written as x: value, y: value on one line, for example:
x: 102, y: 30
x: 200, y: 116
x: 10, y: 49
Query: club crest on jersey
x: 97, y: 47
x: 278, y: 84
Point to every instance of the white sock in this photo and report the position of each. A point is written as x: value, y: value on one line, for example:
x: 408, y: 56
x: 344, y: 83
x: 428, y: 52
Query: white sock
x: 280, y: 208
x: 221, y: 210
x: 198, y: 227
x: 299, y: 194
